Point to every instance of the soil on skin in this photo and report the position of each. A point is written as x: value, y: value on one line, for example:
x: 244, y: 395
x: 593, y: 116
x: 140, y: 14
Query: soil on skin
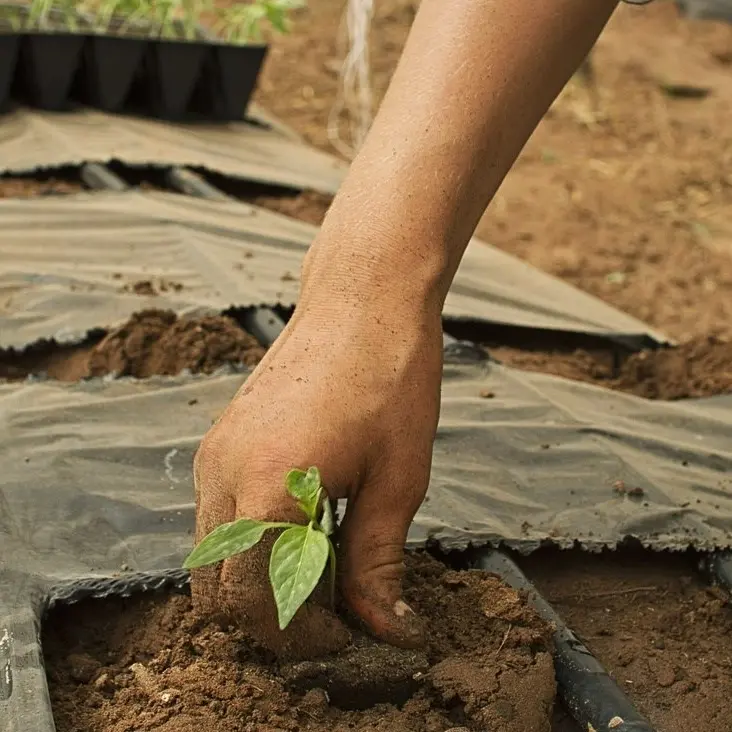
x: 150, y: 343
x: 665, y: 636
x: 150, y: 664
x: 701, y: 367
x: 30, y: 186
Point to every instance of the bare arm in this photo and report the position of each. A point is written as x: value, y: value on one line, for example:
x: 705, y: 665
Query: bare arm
x: 475, y: 78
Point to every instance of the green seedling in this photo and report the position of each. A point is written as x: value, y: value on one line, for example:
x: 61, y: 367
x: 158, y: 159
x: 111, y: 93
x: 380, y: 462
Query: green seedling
x: 300, y: 554
x: 238, y: 23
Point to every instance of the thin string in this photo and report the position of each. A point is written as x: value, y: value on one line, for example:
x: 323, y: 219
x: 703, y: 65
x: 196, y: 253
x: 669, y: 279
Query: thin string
x: 353, y: 107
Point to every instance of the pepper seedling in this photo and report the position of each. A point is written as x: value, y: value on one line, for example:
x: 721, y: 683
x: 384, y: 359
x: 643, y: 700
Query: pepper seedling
x: 300, y: 554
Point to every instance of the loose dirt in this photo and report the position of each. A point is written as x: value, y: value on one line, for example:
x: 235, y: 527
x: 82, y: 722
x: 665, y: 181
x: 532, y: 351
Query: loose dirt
x: 150, y: 343
x: 698, y: 368
x: 151, y: 664
x: 665, y: 636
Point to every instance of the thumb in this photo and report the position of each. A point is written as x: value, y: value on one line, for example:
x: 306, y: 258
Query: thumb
x: 372, y: 539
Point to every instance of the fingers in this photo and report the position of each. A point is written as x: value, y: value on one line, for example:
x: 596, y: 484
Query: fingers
x: 246, y: 597
x: 373, y: 535
x: 214, y: 507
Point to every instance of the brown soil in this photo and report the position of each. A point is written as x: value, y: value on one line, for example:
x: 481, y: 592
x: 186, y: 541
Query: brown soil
x: 41, y: 185
x: 150, y: 343
x: 150, y: 664
x: 699, y: 368
x: 624, y: 190
x: 664, y: 635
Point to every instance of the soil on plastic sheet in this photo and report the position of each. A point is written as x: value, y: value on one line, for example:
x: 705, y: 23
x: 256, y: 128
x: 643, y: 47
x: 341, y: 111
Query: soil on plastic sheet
x: 151, y: 664
x: 701, y: 367
x: 150, y: 343
x: 665, y: 636
x: 31, y: 186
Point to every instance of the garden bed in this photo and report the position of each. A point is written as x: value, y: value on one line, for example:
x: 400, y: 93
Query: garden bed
x: 150, y: 343
x: 650, y: 619
x: 149, y: 663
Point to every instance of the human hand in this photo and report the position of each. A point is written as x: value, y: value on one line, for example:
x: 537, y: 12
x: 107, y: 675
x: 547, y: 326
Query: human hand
x: 357, y: 396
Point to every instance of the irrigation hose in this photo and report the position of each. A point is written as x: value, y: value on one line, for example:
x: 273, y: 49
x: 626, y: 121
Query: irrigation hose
x: 586, y: 688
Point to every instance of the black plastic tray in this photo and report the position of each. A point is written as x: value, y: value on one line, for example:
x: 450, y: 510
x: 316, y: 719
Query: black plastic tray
x: 165, y: 78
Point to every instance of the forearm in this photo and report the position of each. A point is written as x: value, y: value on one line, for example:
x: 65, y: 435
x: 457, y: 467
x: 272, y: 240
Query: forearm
x: 475, y: 79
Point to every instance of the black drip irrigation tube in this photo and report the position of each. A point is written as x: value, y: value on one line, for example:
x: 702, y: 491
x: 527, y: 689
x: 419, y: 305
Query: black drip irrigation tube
x: 101, y: 178
x: 719, y: 567
x: 585, y: 687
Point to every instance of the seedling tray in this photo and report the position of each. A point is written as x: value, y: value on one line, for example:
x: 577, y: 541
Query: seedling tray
x: 125, y: 71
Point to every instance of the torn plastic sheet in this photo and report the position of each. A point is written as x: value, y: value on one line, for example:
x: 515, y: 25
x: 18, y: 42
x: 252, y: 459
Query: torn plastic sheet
x: 33, y: 139
x: 65, y: 263
x: 97, y: 475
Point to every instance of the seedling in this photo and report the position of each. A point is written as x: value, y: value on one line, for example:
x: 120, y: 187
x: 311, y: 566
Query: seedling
x: 300, y: 554
x: 238, y: 23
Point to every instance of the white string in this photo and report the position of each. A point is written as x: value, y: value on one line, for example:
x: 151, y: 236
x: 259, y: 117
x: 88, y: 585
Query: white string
x: 355, y: 97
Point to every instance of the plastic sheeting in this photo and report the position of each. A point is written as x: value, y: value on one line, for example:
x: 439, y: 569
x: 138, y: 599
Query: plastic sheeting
x: 32, y: 140
x: 65, y: 261
x: 97, y: 475
x: 97, y: 478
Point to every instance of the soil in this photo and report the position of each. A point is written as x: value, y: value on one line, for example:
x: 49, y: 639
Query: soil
x: 149, y: 663
x: 698, y: 368
x: 38, y: 185
x: 665, y: 636
x: 150, y: 343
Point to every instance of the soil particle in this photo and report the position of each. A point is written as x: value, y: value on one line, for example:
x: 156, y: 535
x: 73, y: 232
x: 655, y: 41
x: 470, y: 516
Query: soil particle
x: 150, y: 288
x: 150, y: 343
x: 165, y: 668
x: 649, y: 618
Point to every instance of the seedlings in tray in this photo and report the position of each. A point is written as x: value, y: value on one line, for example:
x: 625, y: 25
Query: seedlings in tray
x: 298, y: 557
x: 237, y: 23
x: 242, y: 23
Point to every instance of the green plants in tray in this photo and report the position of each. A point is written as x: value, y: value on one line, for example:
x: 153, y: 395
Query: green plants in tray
x: 106, y: 46
x: 300, y: 554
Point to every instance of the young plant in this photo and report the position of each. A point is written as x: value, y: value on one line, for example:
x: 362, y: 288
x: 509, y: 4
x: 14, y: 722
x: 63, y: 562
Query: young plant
x: 300, y: 554
x: 241, y: 23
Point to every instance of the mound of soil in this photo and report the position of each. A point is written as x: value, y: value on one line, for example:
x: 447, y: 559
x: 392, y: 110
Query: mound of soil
x: 665, y: 636
x: 150, y: 343
x: 701, y: 367
x: 149, y: 663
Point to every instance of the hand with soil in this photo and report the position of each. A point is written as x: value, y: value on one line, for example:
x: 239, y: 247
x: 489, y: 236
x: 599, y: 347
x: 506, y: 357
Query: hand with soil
x: 353, y: 384
x: 322, y: 396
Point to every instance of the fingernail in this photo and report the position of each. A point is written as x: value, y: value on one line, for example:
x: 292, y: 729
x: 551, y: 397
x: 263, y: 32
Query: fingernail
x: 401, y: 609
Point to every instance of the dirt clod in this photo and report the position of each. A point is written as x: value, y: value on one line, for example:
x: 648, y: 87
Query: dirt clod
x: 166, y: 668
x: 151, y: 343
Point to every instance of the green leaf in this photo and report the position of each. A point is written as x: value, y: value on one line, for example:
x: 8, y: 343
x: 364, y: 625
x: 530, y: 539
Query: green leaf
x: 226, y: 540
x: 306, y: 488
x: 297, y: 561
